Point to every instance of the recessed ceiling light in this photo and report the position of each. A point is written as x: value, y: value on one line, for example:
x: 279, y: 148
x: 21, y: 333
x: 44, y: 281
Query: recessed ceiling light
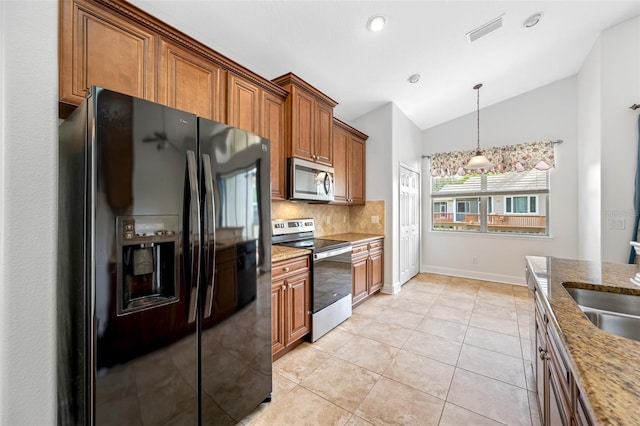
x: 532, y: 20
x: 376, y: 23
x: 414, y: 78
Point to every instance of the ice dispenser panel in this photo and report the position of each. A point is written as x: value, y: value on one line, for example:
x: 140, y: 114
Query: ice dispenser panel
x: 147, y: 262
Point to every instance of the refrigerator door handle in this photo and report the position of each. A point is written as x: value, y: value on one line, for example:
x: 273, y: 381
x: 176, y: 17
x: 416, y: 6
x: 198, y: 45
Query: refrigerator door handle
x: 210, y: 234
x: 191, y: 234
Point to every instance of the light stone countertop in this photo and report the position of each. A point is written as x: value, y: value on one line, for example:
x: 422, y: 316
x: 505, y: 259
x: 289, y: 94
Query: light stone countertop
x: 279, y: 253
x: 352, y: 237
x: 606, y: 366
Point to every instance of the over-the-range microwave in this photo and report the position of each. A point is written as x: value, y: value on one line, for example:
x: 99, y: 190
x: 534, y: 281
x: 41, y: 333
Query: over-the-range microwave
x: 309, y: 181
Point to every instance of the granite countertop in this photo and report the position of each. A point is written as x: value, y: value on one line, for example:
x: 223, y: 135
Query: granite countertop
x: 279, y: 253
x: 352, y: 237
x: 606, y: 366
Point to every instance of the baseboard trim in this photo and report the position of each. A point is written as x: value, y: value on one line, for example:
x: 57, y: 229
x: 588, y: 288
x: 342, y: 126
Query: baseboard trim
x: 391, y: 288
x: 500, y: 278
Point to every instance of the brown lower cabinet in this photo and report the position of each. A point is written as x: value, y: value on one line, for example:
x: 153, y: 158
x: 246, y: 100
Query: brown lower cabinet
x: 367, y: 269
x: 290, y: 303
x: 559, y: 399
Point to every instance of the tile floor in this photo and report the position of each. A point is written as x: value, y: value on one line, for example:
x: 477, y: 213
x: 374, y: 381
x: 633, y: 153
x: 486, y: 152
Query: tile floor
x: 444, y: 351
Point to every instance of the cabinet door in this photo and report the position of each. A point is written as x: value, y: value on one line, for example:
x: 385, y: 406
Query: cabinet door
x: 188, y: 82
x: 558, y: 408
x: 323, y: 146
x: 359, y: 278
x: 582, y: 418
x: 272, y: 118
x: 277, y: 315
x: 298, y: 319
x: 244, y: 104
x: 539, y: 366
x: 356, y: 169
x: 100, y: 49
x: 302, y: 125
x: 340, y: 165
x: 376, y: 270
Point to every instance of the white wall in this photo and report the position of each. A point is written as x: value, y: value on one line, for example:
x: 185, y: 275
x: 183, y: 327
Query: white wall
x: 620, y: 79
x: 28, y: 151
x: 589, y: 131
x: 378, y: 126
x: 393, y: 139
x: 549, y: 112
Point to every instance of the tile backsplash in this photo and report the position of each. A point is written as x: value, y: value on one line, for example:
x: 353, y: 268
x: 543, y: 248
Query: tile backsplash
x: 330, y: 219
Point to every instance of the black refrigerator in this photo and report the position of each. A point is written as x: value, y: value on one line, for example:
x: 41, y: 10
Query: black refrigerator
x: 164, y: 266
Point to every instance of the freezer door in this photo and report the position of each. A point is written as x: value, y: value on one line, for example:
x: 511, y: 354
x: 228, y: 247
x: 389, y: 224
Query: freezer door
x: 236, y: 309
x: 145, y: 205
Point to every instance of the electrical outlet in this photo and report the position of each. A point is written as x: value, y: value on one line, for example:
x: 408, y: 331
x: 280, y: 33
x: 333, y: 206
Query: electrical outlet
x: 328, y: 220
x: 344, y: 219
x: 474, y: 260
x: 616, y: 223
x: 375, y: 219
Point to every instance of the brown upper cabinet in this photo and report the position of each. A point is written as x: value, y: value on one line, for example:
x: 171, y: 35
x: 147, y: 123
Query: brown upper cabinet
x: 349, y: 163
x: 100, y: 48
x: 243, y: 107
x: 115, y: 45
x: 188, y: 82
x: 260, y: 111
x: 272, y: 122
x: 308, y: 120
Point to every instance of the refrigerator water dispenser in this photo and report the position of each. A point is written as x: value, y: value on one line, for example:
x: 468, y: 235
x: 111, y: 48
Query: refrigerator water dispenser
x: 147, y: 262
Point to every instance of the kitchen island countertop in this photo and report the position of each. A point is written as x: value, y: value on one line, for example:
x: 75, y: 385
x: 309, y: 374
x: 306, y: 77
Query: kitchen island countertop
x: 606, y: 366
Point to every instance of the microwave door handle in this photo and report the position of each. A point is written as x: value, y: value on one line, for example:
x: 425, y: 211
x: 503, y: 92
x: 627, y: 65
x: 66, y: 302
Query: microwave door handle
x: 327, y: 183
x: 210, y: 232
x: 191, y: 235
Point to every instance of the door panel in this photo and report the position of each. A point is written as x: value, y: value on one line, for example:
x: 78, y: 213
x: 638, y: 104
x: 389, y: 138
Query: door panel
x: 236, y: 336
x: 409, y: 224
x: 188, y: 82
x: 99, y: 49
x: 141, y: 301
x: 298, y: 296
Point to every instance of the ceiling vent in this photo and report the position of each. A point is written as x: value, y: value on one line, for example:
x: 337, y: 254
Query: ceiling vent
x: 485, y: 29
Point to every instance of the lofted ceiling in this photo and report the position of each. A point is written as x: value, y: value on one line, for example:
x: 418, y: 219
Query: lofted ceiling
x: 327, y: 44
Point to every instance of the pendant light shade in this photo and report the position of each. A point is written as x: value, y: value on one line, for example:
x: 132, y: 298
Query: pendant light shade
x: 478, y: 161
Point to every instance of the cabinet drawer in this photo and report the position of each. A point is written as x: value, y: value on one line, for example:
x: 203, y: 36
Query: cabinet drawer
x: 288, y: 267
x: 377, y: 244
x: 359, y: 249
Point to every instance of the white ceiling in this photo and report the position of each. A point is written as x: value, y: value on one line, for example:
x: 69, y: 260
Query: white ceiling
x: 327, y: 44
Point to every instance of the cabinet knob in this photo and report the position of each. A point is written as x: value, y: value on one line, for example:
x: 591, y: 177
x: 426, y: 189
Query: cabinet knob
x: 289, y: 286
x: 284, y: 287
x: 285, y: 269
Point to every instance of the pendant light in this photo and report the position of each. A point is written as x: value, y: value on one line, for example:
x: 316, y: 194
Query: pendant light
x: 478, y: 161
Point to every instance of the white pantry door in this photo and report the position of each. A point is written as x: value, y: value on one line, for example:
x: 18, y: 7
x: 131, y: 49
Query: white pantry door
x: 409, y: 224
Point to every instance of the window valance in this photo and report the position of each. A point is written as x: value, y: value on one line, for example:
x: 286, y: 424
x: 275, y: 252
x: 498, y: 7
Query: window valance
x: 508, y: 158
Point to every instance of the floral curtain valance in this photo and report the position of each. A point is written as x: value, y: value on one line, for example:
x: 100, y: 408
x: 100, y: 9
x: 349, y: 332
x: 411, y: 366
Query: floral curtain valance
x: 509, y: 158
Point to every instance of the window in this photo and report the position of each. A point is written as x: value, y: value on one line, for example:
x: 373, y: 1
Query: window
x: 513, y: 202
x: 522, y: 204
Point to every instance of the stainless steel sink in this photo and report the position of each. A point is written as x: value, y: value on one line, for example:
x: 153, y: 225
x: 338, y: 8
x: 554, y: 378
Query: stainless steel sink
x: 620, y: 325
x: 614, y: 313
x: 606, y: 301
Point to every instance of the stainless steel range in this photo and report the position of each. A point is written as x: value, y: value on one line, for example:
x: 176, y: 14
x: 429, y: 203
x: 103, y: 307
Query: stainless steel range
x: 330, y: 272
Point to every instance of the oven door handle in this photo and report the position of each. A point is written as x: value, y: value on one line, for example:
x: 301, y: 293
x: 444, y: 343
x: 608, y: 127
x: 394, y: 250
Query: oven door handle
x: 330, y: 253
